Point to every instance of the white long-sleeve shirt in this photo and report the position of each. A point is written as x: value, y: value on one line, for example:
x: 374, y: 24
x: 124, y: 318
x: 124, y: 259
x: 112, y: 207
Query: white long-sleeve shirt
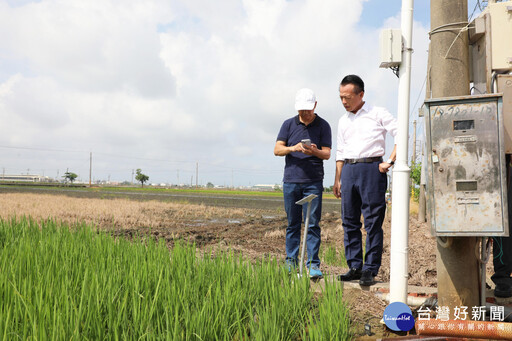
x: 363, y: 134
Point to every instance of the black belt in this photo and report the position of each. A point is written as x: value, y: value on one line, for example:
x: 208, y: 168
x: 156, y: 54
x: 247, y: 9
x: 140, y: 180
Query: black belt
x: 364, y: 159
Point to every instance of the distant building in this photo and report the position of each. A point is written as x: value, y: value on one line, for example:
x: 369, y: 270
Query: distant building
x: 24, y: 178
x: 267, y: 187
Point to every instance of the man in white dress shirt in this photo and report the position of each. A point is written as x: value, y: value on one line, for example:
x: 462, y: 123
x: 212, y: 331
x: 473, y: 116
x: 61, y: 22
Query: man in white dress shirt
x: 362, y: 184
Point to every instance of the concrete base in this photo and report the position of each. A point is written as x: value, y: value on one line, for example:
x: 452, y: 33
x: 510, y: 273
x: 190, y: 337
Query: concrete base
x: 416, y: 294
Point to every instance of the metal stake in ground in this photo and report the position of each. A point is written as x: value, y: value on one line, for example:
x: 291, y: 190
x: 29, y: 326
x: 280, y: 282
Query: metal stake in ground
x: 302, y: 201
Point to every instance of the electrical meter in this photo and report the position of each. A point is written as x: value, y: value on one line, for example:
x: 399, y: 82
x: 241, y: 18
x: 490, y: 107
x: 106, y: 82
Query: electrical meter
x: 466, y: 166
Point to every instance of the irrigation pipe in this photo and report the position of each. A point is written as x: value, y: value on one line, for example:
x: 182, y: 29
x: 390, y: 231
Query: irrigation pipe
x: 445, y: 242
x: 465, y: 328
x: 412, y: 301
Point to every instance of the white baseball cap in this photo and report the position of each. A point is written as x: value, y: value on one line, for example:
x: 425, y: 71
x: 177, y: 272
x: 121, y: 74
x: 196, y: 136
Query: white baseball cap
x: 305, y: 99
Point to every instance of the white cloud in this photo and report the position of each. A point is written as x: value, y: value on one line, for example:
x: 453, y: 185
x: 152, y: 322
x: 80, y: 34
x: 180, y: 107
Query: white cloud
x: 182, y: 81
x: 94, y: 46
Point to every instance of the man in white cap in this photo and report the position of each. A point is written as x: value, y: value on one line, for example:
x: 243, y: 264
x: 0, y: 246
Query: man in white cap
x: 306, y: 141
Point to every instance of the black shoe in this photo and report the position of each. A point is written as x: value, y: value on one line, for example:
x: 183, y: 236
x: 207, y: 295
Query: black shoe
x: 503, y: 290
x: 351, y: 275
x: 366, y: 278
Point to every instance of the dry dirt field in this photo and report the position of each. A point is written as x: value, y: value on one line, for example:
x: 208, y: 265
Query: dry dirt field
x: 253, y: 232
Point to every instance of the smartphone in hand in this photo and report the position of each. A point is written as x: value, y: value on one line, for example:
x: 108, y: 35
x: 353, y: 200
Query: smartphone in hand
x: 307, y: 142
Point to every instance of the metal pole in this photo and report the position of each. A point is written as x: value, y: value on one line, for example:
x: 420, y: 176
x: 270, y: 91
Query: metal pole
x: 302, y: 201
x: 401, y: 171
x: 306, y: 227
x: 413, y: 161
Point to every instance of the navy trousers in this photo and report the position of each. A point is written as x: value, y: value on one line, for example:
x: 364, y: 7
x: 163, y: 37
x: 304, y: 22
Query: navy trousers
x: 293, y: 192
x: 363, y: 190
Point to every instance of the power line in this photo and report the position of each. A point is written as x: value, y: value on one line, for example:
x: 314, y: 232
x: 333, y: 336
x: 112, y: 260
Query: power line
x: 45, y: 149
x: 100, y: 164
x: 413, y: 112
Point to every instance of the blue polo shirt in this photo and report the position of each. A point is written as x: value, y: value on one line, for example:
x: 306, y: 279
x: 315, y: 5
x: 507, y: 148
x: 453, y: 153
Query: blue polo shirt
x: 299, y: 167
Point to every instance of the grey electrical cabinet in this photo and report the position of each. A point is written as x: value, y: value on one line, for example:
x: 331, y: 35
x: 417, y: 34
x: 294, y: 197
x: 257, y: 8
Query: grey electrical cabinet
x: 466, y: 166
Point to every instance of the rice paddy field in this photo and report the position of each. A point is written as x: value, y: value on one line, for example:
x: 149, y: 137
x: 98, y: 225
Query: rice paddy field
x: 106, y: 264
x: 75, y: 268
x: 74, y: 282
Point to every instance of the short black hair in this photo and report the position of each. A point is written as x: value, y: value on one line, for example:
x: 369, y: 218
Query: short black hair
x: 355, y: 80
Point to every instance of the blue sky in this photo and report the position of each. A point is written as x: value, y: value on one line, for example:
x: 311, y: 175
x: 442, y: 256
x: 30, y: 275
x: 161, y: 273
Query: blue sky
x: 165, y: 85
x: 375, y: 12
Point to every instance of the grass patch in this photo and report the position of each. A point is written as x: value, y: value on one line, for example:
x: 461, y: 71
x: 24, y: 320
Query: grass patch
x: 332, y: 255
x: 201, y: 191
x: 413, y: 207
x: 77, y: 283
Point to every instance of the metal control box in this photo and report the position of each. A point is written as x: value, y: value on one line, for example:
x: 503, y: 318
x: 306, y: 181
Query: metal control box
x: 466, y: 166
x: 390, y: 48
x: 501, y: 33
x: 490, y: 48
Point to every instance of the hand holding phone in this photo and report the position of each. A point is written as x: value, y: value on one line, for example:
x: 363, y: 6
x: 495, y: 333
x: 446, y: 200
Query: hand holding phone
x: 307, y: 142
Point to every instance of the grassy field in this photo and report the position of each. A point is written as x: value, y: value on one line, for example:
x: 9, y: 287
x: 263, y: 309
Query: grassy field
x: 75, y: 282
x: 172, y: 220
x: 204, y: 191
x: 149, y: 190
x: 210, y: 197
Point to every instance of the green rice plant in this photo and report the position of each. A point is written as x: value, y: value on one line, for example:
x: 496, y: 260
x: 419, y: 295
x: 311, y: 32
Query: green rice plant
x: 331, y: 321
x: 331, y: 255
x: 60, y: 282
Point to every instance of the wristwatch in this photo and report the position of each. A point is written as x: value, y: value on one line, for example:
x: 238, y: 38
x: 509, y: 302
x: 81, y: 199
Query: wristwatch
x: 390, y: 161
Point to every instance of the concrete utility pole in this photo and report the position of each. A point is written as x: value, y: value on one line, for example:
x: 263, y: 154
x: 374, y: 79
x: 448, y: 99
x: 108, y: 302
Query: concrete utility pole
x: 457, y: 265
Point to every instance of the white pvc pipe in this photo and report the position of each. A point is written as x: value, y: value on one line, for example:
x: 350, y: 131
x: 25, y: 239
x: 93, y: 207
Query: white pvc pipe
x: 401, y: 171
